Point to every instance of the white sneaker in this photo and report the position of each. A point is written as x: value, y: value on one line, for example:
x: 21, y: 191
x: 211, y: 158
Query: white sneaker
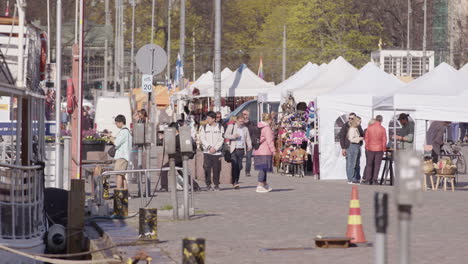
x: 261, y: 189
x: 268, y: 188
x: 350, y: 182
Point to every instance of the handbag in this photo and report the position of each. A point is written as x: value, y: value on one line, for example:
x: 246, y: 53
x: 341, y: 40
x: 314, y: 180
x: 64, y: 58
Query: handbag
x: 227, y: 152
x: 111, y: 151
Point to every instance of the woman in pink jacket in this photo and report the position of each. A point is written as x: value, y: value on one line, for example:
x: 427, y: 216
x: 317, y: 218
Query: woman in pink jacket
x: 263, y: 156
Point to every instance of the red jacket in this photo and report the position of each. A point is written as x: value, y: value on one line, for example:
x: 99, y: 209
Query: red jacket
x: 376, y: 137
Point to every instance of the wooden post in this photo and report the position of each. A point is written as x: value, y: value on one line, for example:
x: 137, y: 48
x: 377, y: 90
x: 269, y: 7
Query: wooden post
x: 121, y: 202
x: 148, y: 227
x: 76, y: 205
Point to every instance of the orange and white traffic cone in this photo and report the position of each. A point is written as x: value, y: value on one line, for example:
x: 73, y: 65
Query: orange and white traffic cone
x: 355, y: 230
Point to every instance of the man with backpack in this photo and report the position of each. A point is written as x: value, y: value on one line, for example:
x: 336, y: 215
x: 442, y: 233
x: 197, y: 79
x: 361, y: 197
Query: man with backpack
x: 211, y: 137
x: 123, y: 147
x: 254, y: 133
x: 239, y: 144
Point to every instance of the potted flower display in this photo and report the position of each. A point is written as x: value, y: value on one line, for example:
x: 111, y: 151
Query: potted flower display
x: 92, y: 141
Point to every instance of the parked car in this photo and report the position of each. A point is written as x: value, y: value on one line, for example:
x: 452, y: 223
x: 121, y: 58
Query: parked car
x: 254, y: 109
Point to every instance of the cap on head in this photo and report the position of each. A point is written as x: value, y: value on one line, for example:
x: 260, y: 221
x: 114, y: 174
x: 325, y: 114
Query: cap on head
x: 403, y: 116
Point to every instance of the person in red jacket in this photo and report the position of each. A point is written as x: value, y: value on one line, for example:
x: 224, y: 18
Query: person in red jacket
x: 376, y: 144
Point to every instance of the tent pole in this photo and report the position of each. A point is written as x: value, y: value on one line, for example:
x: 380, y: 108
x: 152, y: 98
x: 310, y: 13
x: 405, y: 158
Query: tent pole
x: 394, y: 130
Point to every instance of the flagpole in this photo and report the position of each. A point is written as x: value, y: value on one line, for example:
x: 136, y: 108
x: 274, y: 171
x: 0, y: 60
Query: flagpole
x: 217, y: 57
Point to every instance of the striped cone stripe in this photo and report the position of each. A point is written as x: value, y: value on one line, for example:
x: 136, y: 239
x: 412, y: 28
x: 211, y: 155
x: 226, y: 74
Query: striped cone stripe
x: 355, y: 229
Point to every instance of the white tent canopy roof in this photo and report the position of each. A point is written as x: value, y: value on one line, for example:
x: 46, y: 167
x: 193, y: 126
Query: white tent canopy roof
x: 205, y: 82
x: 369, y: 80
x: 299, y: 79
x: 334, y: 75
x: 243, y: 82
x: 440, y: 94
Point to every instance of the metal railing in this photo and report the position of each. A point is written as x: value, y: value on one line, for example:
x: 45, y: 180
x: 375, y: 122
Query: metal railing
x: 98, y: 182
x: 21, y: 202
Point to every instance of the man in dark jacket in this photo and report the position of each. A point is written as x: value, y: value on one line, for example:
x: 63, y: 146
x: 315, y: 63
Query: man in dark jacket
x: 345, y: 143
x: 435, y: 137
x: 253, y: 131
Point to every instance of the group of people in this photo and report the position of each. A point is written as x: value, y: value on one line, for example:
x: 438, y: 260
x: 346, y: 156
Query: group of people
x: 352, y: 137
x: 234, y: 141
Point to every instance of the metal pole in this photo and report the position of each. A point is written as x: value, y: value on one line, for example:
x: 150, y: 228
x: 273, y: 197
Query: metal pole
x: 168, y: 68
x: 76, y: 21
x: 182, y: 39
x: 21, y: 15
x: 284, y: 54
x: 408, y: 67
x: 152, y: 21
x: 186, y: 188
x: 122, y: 50
x: 48, y: 31
x: 193, y: 56
x: 106, y: 47
x: 80, y: 87
x: 173, y: 189
x: 132, y: 55
x: 404, y: 215
x: 381, y: 223
x: 425, y: 37
x: 58, y: 78
x: 217, y: 56
x: 116, y: 46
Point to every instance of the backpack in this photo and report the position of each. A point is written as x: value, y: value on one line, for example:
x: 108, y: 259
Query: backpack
x: 255, y: 137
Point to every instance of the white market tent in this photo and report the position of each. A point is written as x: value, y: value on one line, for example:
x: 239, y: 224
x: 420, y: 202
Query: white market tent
x: 206, y: 81
x: 243, y: 82
x: 298, y: 79
x: 433, y: 96
x: 357, y: 95
x: 335, y: 74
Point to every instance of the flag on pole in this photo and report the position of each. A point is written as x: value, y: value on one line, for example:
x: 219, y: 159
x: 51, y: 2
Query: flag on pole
x: 260, y: 69
x: 179, y: 76
x: 7, y: 10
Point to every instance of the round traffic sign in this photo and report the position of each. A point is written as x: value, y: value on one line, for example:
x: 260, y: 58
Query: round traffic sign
x: 151, y: 59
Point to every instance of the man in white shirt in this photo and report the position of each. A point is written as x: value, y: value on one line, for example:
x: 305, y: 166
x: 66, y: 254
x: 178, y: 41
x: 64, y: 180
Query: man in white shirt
x: 211, y: 137
x: 123, y: 147
x: 240, y: 143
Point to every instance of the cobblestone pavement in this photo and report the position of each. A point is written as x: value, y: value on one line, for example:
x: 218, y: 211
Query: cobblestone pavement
x: 239, y: 224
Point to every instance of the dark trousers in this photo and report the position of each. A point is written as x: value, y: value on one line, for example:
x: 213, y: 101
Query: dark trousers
x: 236, y: 164
x: 373, y: 162
x: 463, y: 128
x: 262, y: 176
x: 212, y: 162
x: 164, y: 173
x: 248, y: 161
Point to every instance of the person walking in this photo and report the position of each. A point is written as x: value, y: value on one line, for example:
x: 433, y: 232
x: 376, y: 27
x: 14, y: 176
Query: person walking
x: 435, y: 137
x: 253, y: 130
x: 406, y: 136
x: 376, y: 143
x: 463, y: 129
x: 211, y: 138
x: 263, y: 156
x: 123, y: 147
x: 346, y: 146
x: 240, y: 143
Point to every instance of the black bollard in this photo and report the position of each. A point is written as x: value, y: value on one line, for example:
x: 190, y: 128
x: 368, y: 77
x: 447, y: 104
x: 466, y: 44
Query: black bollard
x: 105, y: 188
x: 148, y: 228
x: 121, y: 202
x: 193, y: 251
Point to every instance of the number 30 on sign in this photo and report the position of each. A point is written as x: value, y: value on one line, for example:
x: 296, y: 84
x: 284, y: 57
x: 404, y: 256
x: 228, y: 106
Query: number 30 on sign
x: 147, y: 83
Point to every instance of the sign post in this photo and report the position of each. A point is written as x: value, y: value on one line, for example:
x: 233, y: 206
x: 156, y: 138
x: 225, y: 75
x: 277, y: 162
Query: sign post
x: 151, y: 60
x: 408, y: 193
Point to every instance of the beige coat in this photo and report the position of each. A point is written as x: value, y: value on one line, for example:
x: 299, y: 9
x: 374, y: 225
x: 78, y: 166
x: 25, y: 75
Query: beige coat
x: 231, y: 130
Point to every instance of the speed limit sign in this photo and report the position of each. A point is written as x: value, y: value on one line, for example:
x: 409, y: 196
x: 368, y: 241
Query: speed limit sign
x: 147, y: 83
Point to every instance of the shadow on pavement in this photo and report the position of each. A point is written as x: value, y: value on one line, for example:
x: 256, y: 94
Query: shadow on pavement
x: 282, y: 190
x: 199, y: 216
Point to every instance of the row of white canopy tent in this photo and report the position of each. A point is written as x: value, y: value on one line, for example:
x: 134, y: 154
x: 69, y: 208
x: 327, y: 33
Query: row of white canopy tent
x: 438, y: 95
x: 240, y: 83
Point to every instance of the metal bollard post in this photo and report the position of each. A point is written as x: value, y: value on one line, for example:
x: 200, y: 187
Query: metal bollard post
x: 148, y: 225
x: 193, y: 251
x: 173, y: 189
x: 186, y: 188
x: 381, y: 223
x: 404, y: 215
x: 105, y: 188
x: 121, y: 202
